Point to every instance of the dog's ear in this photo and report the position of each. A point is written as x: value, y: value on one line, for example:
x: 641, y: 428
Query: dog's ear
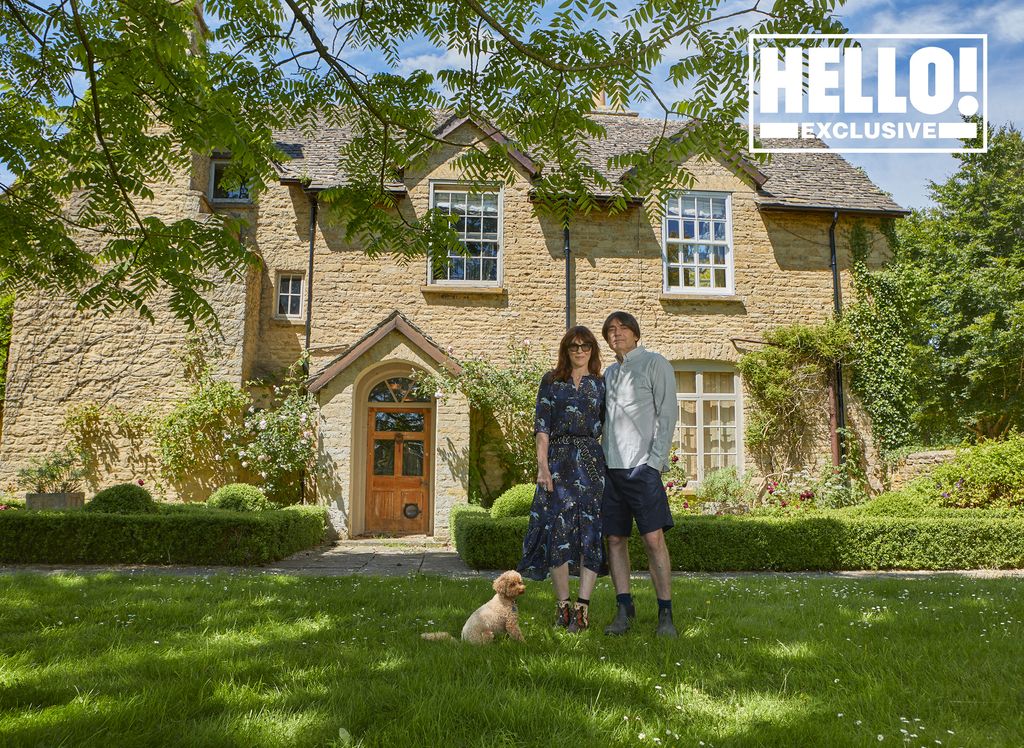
x: 502, y: 583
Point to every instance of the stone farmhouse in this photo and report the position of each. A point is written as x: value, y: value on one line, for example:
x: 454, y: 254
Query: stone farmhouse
x: 744, y: 249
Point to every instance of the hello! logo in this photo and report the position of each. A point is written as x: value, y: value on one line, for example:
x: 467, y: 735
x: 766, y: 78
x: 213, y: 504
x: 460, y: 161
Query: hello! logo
x: 868, y: 93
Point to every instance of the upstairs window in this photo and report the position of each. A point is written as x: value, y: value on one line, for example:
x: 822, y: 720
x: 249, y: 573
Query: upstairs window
x: 290, y: 297
x: 478, y: 225
x: 219, y: 192
x: 698, y: 243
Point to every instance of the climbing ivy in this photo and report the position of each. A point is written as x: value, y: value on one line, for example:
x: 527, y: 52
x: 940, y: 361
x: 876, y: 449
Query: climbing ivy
x: 786, y: 382
x: 883, y: 357
x: 6, y: 318
x: 502, y: 398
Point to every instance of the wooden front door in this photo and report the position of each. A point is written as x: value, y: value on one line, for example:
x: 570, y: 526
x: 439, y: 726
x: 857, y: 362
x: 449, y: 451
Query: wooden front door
x: 398, y: 470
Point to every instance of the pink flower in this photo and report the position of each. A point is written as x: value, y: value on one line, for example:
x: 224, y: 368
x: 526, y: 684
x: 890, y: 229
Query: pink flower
x: 782, y: 503
x: 670, y: 484
x: 686, y: 505
x: 675, y: 458
x: 141, y: 482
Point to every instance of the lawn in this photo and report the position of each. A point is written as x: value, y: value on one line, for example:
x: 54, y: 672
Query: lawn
x: 148, y: 660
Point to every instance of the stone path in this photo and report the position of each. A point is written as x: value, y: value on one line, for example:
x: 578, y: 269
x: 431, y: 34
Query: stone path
x: 422, y: 554
x: 370, y: 557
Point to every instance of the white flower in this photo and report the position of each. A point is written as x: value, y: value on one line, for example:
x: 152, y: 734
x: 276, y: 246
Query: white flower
x: 526, y: 341
x: 263, y: 423
x: 302, y: 418
x: 245, y: 464
x: 216, y: 457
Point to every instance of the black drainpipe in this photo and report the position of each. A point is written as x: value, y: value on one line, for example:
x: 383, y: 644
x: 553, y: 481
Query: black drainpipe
x: 309, y: 276
x: 568, y: 274
x: 837, y: 303
x: 309, y: 313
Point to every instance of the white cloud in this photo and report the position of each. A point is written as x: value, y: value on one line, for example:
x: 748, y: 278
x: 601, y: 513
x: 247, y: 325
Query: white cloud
x: 433, y: 62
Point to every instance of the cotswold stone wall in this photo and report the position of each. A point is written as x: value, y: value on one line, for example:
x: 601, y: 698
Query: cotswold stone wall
x: 781, y: 259
x: 782, y: 276
x: 60, y: 357
x: 916, y: 464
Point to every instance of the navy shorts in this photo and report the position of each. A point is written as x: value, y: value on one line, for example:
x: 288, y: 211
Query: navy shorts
x: 642, y: 498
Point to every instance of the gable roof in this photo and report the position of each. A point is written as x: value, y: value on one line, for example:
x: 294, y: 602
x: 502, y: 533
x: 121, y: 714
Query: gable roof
x: 394, y: 322
x: 815, y: 180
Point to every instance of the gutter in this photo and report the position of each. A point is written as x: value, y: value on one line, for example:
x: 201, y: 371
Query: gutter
x: 313, y: 206
x: 568, y: 274
x: 839, y: 405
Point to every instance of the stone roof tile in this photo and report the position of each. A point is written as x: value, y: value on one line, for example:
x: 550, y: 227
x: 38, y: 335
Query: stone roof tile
x: 814, y: 180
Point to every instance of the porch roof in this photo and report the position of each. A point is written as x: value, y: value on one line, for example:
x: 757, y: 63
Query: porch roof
x: 394, y: 322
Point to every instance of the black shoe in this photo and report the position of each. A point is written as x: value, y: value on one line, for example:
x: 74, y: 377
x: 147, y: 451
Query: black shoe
x: 563, y: 616
x: 665, y: 626
x: 624, y: 614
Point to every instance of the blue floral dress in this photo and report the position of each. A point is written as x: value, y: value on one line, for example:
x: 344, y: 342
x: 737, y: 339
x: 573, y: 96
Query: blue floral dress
x: 565, y: 524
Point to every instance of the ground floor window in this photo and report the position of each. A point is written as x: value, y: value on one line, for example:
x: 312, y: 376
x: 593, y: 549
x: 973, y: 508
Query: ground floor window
x: 708, y: 431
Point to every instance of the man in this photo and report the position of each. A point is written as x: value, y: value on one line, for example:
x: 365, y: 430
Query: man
x: 641, y: 412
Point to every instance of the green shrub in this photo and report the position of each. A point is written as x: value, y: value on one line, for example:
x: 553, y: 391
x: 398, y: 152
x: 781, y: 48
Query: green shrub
x: 725, y: 486
x: 487, y: 543
x: 515, y: 502
x: 173, y: 535
x: 463, y: 510
x: 916, y: 499
x: 124, y: 498
x: 57, y: 472
x: 11, y: 503
x: 239, y: 497
x: 990, y: 474
x: 833, y: 541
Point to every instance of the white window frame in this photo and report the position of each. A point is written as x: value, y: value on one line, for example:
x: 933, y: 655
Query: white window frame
x: 302, y: 295
x: 214, y: 163
x: 737, y: 395
x: 449, y: 186
x: 681, y: 290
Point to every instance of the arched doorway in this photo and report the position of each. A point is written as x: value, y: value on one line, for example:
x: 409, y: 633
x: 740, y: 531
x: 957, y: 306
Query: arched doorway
x: 398, y: 459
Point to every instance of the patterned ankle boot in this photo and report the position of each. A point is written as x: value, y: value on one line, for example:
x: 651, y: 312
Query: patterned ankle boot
x: 563, y: 616
x: 580, y: 618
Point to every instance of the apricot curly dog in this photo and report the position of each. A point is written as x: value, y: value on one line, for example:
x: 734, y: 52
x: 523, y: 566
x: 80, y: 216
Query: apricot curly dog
x: 498, y: 615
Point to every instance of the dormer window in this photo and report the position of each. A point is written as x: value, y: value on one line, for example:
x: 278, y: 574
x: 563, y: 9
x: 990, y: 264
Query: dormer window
x: 220, y: 192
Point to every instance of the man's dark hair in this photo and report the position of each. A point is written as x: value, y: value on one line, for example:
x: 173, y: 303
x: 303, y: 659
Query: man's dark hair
x: 623, y: 318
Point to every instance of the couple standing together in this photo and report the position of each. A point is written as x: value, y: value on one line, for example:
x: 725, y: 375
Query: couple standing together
x: 602, y: 445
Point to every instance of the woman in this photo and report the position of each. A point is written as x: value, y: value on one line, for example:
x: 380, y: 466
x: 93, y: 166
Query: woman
x: 564, y: 535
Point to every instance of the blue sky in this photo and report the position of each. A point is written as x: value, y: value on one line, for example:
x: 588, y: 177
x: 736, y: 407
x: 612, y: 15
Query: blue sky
x: 906, y: 176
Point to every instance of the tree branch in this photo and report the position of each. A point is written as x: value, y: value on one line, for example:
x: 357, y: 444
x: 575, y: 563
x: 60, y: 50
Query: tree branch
x: 97, y: 121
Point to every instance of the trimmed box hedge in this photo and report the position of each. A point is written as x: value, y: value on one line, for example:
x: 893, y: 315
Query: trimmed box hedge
x: 176, y: 535
x: 815, y: 542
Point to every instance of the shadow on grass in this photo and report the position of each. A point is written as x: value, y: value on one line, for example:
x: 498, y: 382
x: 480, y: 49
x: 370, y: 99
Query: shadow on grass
x: 103, y: 660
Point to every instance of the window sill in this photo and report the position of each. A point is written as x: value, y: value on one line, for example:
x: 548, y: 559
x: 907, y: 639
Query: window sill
x: 231, y: 203
x: 732, y: 298
x: 464, y: 290
x: 288, y: 321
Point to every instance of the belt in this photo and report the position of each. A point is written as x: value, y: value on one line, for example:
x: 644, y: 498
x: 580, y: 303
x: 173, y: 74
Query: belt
x: 589, y: 448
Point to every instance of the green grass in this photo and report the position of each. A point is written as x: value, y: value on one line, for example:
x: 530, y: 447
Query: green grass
x: 263, y: 660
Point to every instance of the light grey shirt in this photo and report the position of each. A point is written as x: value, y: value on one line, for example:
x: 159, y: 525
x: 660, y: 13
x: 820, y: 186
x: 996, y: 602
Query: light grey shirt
x: 641, y: 411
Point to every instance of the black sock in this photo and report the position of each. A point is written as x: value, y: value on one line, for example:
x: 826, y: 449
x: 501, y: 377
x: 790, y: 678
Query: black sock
x: 665, y: 605
x: 625, y: 599
x: 582, y: 601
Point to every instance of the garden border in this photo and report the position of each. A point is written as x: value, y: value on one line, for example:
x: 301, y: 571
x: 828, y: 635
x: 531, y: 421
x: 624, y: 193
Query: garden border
x: 816, y: 542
